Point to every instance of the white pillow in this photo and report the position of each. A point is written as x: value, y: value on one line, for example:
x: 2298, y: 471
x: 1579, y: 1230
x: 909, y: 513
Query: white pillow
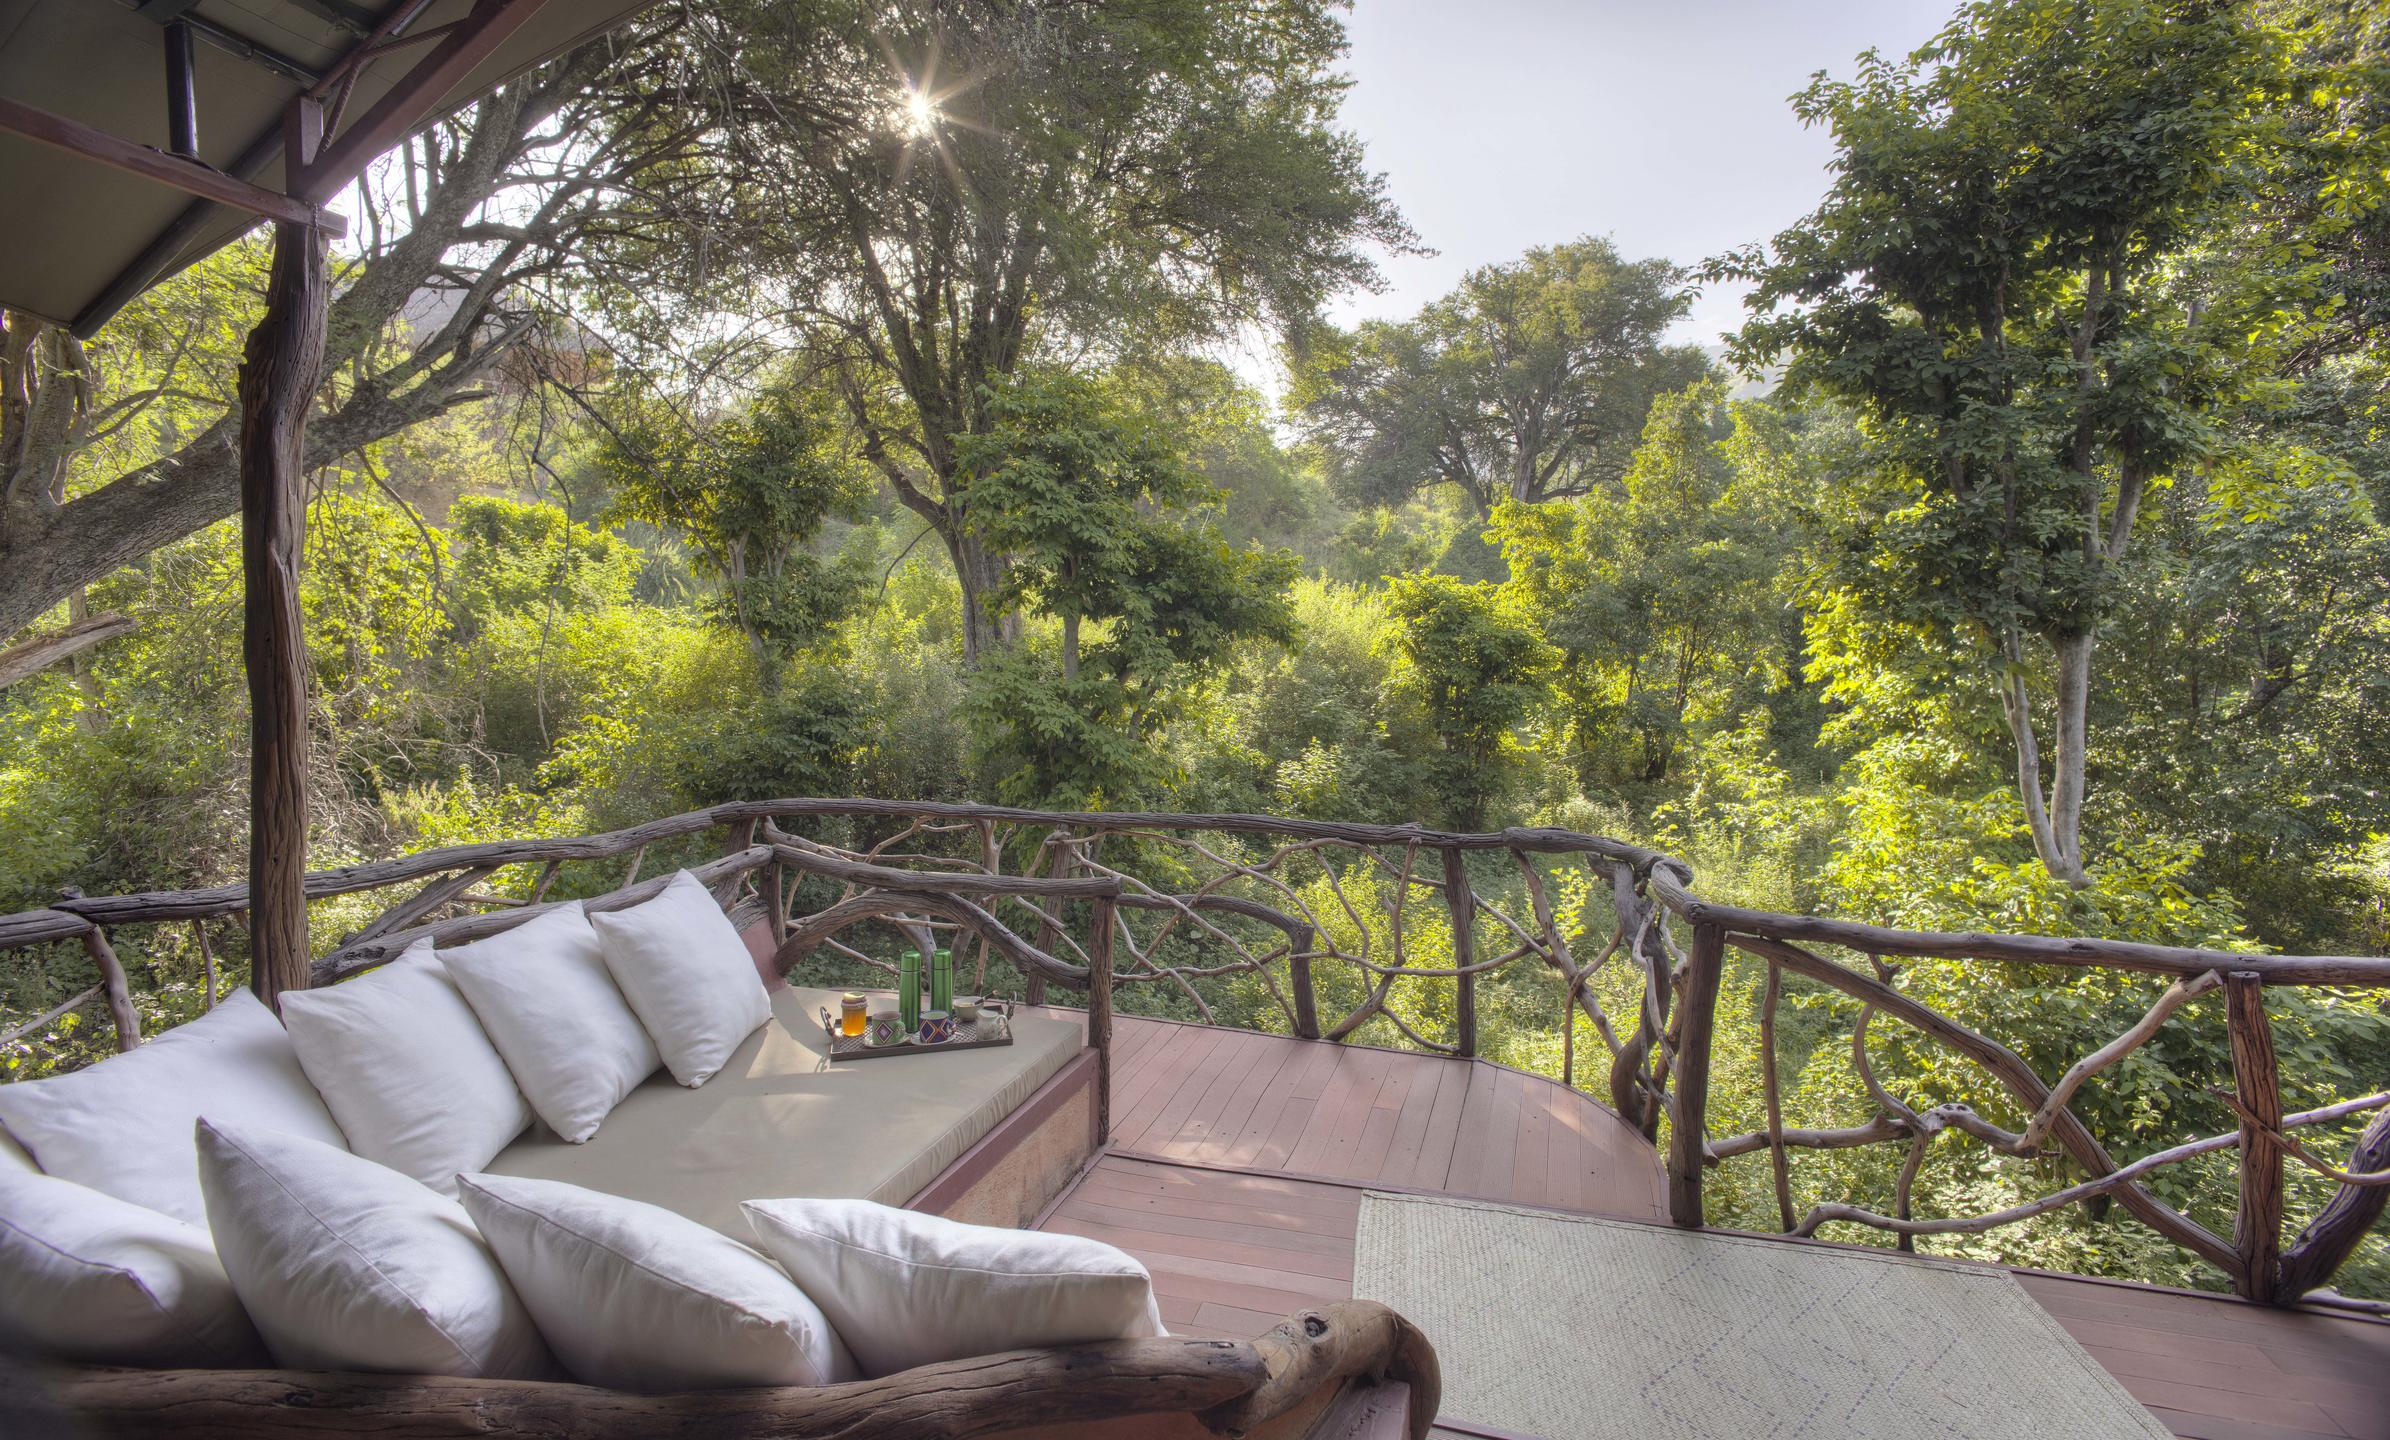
x: 349, y: 1265
x: 907, y: 1289
x: 15, y: 1158
x: 637, y: 1298
x: 542, y: 992
x: 681, y: 964
x: 89, y: 1278
x: 408, y: 1070
x: 123, y: 1126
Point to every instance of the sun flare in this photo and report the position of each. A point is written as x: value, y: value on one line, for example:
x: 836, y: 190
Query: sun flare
x: 921, y: 112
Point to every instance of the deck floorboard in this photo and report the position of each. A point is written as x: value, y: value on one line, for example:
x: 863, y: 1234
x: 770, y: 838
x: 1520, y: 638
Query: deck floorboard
x: 1239, y: 1163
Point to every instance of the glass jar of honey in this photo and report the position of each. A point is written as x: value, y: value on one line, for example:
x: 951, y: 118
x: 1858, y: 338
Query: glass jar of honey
x: 850, y: 1014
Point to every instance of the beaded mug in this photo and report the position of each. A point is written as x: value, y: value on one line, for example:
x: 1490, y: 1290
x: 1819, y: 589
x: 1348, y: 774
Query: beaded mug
x: 937, y: 1027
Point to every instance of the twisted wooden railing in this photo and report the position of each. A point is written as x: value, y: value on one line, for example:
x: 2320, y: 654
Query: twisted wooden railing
x: 1330, y: 928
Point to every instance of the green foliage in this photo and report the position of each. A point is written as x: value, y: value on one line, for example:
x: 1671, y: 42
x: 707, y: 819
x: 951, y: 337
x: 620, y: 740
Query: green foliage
x: 1663, y: 591
x: 1530, y: 381
x: 1082, y: 492
x: 514, y: 559
x: 1477, y: 666
x: 747, y: 491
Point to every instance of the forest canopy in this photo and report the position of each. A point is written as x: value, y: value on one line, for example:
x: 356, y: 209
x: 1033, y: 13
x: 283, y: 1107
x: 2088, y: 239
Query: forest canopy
x: 828, y: 398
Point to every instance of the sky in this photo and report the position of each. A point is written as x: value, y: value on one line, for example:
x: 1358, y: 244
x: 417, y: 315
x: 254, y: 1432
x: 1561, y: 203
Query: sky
x: 1663, y: 124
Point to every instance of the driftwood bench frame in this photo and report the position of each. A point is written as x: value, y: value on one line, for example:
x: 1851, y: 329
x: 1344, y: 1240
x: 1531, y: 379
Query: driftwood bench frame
x: 1355, y: 1371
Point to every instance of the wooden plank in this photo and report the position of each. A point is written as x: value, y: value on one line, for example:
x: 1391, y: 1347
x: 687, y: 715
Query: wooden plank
x: 1334, y: 1135
x: 1534, y: 1156
x: 1411, y: 1125
x: 1436, y: 1147
x: 1222, y: 1224
x: 1238, y: 1112
x: 1270, y: 1259
x: 1297, y: 1088
x: 1136, y: 1107
x: 1246, y: 1054
x: 1377, y: 1137
x: 1475, y: 1138
x: 1215, y: 1065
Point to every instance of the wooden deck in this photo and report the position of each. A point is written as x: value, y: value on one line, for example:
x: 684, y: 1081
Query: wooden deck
x: 1239, y: 1162
x: 1200, y: 1094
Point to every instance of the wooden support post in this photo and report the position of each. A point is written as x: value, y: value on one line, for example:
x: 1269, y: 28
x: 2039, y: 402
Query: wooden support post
x: 1771, y: 1088
x: 1688, y: 1096
x: 1099, y: 1011
x: 1298, y: 970
x: 278, y: 381
x: 779, y: 904
x: 1462, y: 902
x: 1049, y: 933
x: 2257, y: 1230
x: 112, y: 983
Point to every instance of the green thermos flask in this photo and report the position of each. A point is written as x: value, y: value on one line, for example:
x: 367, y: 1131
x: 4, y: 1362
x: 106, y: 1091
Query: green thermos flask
x: 908, y: 990
x: 941, y: 982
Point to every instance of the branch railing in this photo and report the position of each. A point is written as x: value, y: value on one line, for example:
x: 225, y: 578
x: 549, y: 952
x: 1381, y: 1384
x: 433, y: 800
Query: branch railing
x: 1330, y: 929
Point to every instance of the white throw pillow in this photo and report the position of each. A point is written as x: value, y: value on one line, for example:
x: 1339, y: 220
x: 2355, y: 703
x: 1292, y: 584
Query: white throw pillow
x: 637, y: 1298
x: 349, y: 1265
x: 542, y: 992
x: 89, y: 1278
x: 407, y: 1069
x: 123, y: 1126
x: 681, y: 964
x: 907, y: 1289
x: 15, y: 1158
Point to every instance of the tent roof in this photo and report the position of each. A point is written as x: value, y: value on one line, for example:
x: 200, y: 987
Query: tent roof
x: 83, y: 238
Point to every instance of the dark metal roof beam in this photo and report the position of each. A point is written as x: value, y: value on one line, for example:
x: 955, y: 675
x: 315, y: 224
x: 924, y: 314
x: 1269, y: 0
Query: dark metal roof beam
x: 231, y: 42
x: 407, y: 104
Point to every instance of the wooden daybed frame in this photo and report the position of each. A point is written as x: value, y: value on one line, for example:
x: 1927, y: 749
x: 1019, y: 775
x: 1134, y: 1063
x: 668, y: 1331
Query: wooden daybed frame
x: 1350, y: 1370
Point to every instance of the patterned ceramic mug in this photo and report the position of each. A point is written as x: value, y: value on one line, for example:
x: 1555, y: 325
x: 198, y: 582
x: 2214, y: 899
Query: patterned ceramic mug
x: 884, y: 1028
x: 937, y: 1027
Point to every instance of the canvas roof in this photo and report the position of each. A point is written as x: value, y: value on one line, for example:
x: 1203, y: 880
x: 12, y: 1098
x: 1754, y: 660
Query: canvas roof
x: 81, y: 237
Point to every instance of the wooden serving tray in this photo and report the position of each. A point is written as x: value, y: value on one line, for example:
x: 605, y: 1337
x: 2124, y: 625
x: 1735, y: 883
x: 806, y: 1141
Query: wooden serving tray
x: 994, y: 1028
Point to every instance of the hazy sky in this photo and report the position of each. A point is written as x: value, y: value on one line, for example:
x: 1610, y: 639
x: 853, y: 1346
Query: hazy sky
x: 1501, y: 124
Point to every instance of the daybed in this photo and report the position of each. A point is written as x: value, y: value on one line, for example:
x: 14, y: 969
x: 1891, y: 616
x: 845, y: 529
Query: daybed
x: 987, y: 1136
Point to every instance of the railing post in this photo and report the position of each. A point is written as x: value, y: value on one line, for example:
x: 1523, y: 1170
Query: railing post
x: 2257, y: 1230
x: 1099, y: 1012
x: 1298, y: 971
x: 1463, y: 903
x: 1049, y: 932
x: 1689, y: 1091
x: 121, y: 1010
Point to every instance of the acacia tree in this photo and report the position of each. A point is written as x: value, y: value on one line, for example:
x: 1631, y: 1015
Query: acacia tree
x: 463, y: 232
x: 941, y: 189
x: 2018, y: 282
x: 1530, y: 381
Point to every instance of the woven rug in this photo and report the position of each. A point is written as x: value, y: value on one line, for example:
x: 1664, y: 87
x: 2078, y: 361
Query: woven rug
x: 1575, y: 1328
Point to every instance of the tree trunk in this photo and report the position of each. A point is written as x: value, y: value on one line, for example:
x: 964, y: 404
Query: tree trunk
x: 979, y: 571
x: 2055, y: 819
x: 278, y: 380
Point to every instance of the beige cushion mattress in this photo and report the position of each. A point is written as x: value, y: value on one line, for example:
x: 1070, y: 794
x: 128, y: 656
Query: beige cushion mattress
x: 782, y: 1121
